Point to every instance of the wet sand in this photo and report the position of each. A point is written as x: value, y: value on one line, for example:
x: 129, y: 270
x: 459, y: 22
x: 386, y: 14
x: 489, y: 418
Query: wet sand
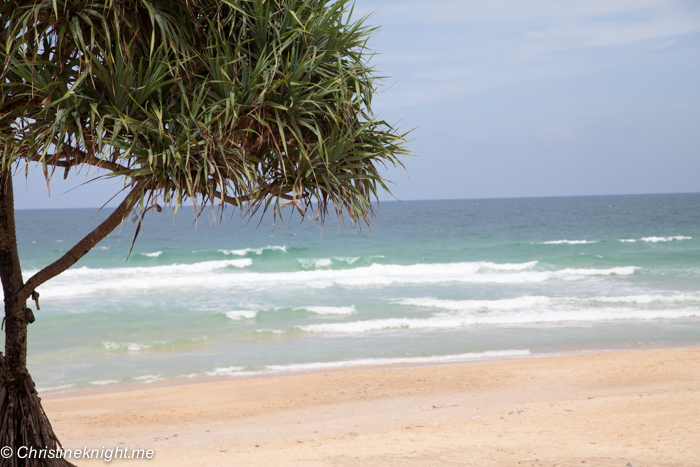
x: 639, y: 407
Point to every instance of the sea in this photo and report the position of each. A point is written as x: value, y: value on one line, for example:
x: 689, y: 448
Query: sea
x: 432, y: 282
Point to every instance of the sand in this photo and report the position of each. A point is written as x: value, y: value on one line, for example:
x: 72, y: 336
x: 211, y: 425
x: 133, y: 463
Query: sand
x: 610, y: 409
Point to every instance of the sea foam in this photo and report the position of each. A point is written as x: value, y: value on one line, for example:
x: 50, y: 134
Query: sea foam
x: 85, y: 280
x: 315, y: 263
x: 155, y: 254
x: 329, y: 310
x: 364, y: 362
x: 240, y: 314
x: 665, y: 239
x: 462, y: 305
x: 460, y: 321
x: 218, y: 275
x: 104, y: 382
x: 569, y: 242
x: 257, y: 251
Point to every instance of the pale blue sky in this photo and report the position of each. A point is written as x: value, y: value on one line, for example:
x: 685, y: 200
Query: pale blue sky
x: 517, y: 98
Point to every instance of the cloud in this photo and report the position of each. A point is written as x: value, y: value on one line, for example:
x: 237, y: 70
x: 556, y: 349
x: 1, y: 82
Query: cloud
x: 513, y: 11
x: 451, y: 48
x: 614, y: 34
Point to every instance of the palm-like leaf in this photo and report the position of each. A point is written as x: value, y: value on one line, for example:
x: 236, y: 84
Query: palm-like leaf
x: 230, y: 100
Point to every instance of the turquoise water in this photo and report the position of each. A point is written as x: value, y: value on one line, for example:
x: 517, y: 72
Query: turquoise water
x: 434, y: 281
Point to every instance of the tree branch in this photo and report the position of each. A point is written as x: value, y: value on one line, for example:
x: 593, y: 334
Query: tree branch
x: 267, y: 190
x: 70, y: 157
x: 83, y: 246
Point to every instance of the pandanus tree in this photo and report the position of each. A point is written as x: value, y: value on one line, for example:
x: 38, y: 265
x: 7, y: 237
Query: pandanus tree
x: 248, y: 103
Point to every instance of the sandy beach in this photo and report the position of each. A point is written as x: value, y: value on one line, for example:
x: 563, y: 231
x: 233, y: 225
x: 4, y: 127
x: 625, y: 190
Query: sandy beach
x: 610, y: 409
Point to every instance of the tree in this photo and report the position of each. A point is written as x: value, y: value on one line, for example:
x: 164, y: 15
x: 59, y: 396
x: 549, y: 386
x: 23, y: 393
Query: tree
x: 255, y: 104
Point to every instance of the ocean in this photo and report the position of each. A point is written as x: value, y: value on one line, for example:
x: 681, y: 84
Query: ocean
x: 432, y: 282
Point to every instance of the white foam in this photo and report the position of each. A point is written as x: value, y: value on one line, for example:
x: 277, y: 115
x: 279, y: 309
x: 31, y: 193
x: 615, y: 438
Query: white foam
x: 505, y: 266
x: 569, y: 242
x: 136, y: 347
x: 228, y: 371
x: 361, y: 362
x: 153, y: 255
x: 53, y: 388
x: 270, y: 331
x: 241, y: 314
x: 128, y: 346
x: 84, y: 280
x: 148, y: 378
x: 329, y: 310
x: 547, y: 316
x: 104, y: 382
x: 619, y: 271
x: 293, y: 367
x: 627, y: 240
x: 647, y: 299
x: 539, y: 303
x: 257, y: 251
x: 665, y: 239
x: 220, y: 275
x: 315, y: 263
x: 349, y: 260
x: 464, y: 305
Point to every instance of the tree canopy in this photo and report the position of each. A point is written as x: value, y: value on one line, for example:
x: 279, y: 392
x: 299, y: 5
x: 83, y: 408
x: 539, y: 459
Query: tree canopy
x: 250, y: 103
x: 264, y: 102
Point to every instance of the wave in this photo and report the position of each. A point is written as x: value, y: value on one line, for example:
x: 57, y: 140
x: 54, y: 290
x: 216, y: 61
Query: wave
x: 665, y: 239
x: 205, y: 266
x: 130, y: 346
x: 619, y: 271
x: 583, y: 315
x: 153, y: 255
x: 104, y: 382
x: 539, y: 302
x: 648, y: 299
x: 267, y: 370
x: 148, y: 378
x: 227, y: 371
x: 257, y: 251
x: 275, y: 332
x: 315, y: 263
x: 462, y: 305
x: 292, y: 367
x: 240, y: 314
x: 627, y: 240
x: 361, y: 362
x: 137, y: 347
x: 212, y: 275
x: 85, y: 280
x: 569, y: 242
x: 41, y: 389
x: 350, y: 260
x: 329, y: 310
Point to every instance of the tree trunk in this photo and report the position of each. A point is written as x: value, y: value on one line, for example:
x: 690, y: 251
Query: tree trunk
x: 23, y: 421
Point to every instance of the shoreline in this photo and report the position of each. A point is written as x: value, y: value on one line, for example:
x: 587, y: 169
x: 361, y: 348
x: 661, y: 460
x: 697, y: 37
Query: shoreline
x: 638, y: 406
x: 255, y: 374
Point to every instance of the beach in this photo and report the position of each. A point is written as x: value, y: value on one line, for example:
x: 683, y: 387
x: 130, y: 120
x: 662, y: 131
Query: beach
x: 638, y: 407
x: 472, y: 280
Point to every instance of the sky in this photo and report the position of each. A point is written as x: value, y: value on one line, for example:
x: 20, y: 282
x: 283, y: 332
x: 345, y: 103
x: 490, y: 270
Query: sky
x: 518, y: 98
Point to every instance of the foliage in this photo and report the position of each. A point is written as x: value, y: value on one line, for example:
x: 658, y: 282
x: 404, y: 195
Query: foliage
x: 266, y: 102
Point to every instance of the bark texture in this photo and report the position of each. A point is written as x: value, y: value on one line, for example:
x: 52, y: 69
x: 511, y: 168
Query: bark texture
x: 23, y: 423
